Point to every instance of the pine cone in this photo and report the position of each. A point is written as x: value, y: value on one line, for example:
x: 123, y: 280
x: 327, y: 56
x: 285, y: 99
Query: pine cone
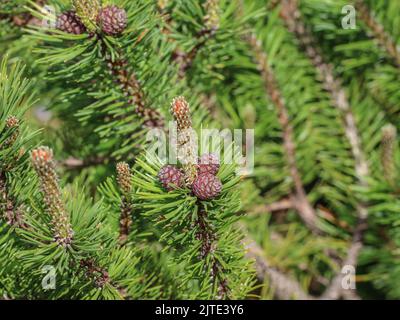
x: 171, y: 177
x: 208, y: 163
x: 70, y: 22
x: 206, y: 186
x: 112, y: 20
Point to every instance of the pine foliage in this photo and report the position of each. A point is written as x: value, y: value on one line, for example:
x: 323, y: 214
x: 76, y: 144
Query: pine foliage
x: 323, y: 101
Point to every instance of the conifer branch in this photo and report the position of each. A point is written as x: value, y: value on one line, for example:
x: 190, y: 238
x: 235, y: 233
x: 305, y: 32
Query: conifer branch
x: 124, y: 179
x: 25, y: 18
x: 300, y: 201
x: 90, y: 14
x: 12, y: 214
x: 291, y: 15
x: 378, y: 31
x: 211, y: 25
x: 99, y: 276
x: 335, y: 290
x: 75, y: 163
x: 208, y: 239
x: 44, y: 164
x: 281, y: 205
x: 132, y: 89
x: 12, y: 123
x: 284, y: 286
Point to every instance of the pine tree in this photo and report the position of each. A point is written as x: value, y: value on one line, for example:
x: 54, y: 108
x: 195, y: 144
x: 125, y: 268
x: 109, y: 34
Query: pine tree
x: 88, y: 212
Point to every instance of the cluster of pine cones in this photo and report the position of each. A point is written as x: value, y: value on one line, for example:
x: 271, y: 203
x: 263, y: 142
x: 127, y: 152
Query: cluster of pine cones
x: 111, y: 20
x: 206, y: 186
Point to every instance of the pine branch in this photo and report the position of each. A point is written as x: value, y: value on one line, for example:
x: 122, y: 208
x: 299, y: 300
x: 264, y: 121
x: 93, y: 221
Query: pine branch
x: 208, y: 239
x: 281, y: 205
x: 378, y: 31
x: 300, y: 201
x: 74, y: 163
x: 185, y: 60
x: 211, y: 25
x: 23, y: 19
x: 132, y: 89
x: 13, y: 215
x: 291, y: 15
x: 61, y: 221
x: 99, y: 276
x: 187, y: 154
x: 335, y: 290
x: 284, y: 287
x: 12, y: 123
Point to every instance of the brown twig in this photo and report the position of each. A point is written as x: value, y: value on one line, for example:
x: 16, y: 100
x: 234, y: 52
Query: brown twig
x: 22, y: 19
x: 284, y: 286
x: 378, y: 31
x: 299, y: 198
x: 206, y: 235
x: 132, y: 89
x: 12, y: 214
x: 75, y: 163
x: 335, y: 290
x: 99, y: 276
x: 281, y: 205
x: 291, y: 15
x: 211, y: 23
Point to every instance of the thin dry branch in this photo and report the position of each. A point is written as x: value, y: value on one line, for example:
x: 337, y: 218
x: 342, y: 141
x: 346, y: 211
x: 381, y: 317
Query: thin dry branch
x: 12, y: 214
x: 281, y: 205
x: 378, y: 31
x: 75, y: 163
x: 206, y: 235
x: 210, y: 26
x: 335, y: 290
x: 132, y: 89
x: 99, y: 276
x: 291, y: 15
x: 284, y: 287
x: 299, y: 198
